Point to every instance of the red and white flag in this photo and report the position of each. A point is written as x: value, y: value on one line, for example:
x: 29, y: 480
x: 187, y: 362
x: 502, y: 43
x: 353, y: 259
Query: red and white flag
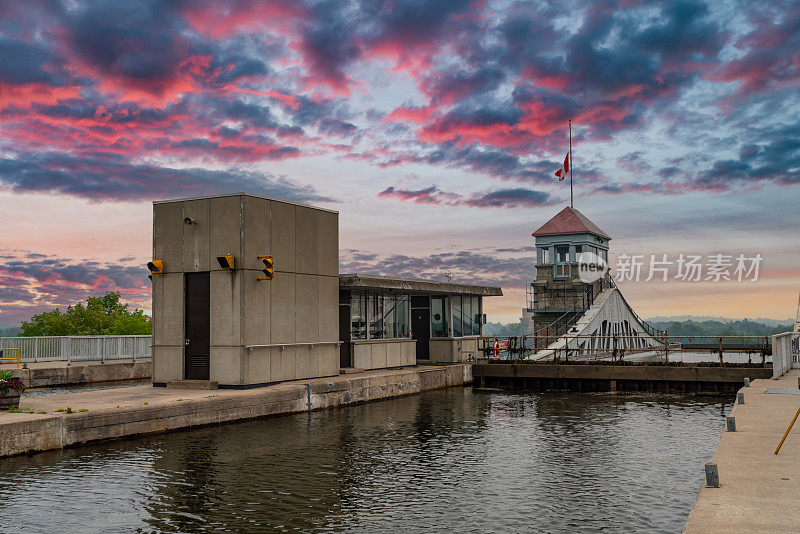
x: 562, y: 172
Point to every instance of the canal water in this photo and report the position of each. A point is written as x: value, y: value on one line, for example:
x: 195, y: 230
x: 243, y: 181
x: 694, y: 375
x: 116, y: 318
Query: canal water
x: 457, y: 460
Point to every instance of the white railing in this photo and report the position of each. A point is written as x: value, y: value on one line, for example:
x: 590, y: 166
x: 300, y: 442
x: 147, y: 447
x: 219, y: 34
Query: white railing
x: 79, y: 348
x: 785, y: 352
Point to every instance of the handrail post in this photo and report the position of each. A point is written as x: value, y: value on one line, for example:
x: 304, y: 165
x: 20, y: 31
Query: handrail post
x: 720, y: 351
x: 614, y: 348
x: 35, y: 349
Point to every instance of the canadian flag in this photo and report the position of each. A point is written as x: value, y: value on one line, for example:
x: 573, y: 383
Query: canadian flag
x: 562, y: 172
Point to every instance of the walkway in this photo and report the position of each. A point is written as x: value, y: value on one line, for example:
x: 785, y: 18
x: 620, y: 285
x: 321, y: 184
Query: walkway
x: 759, y: 491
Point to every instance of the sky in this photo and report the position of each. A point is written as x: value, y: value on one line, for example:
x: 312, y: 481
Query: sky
x: 434, y: 128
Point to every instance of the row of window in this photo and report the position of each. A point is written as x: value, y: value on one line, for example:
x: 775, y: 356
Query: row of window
x: 465, y: 312
x: 562, y: 253
x: 387, y: 316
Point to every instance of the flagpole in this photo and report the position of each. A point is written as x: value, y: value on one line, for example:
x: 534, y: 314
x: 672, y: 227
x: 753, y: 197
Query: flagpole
x: 571, y: 165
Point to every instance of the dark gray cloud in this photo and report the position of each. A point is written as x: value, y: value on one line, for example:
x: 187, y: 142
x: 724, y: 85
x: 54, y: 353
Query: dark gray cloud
x: 109, y: 177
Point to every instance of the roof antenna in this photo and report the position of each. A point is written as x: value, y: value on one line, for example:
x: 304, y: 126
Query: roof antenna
x: 571, y: 165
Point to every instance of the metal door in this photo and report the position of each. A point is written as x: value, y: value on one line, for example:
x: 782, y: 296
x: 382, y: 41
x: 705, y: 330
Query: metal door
x: 197, y: 326
x: 421, y: 331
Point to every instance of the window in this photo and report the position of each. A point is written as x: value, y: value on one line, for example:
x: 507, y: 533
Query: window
x: 544, y: 255
x: 389, y: 304
x: 604, y: 254
x: 593, y: 249
x: 375, y: 316
x: 467, y: 317
x: 358, y: 320
x: 439, y: 317
x: 562, y: 261
x: 476, y: 313
x: 456, y: 306
x: 401, y: 317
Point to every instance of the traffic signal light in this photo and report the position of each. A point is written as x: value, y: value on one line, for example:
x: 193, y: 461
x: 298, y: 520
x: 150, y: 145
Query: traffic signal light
x: 156, y: 266
x: 269, y: 267
x: 226, y: 262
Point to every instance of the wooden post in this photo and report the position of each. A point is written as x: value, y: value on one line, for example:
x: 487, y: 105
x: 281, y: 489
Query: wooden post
x: 720, y: 351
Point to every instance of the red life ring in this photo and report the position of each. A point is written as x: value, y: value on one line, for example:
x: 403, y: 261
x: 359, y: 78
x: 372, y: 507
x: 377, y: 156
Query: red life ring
x: 496, y: 347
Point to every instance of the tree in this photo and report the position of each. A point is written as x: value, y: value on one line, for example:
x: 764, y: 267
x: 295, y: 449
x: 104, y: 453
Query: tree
x: 104, y: 315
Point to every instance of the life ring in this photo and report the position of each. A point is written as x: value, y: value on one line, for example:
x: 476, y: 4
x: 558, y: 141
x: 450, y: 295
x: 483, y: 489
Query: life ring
x: 496, y: 347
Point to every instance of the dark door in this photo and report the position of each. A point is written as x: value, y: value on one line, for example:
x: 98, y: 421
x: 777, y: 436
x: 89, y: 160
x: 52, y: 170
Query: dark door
x: 421, y: 330
x: 345, y: 349
x: 198, y: 325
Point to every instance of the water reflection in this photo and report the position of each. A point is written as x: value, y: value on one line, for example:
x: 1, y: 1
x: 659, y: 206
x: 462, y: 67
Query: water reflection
x: 453, y: 459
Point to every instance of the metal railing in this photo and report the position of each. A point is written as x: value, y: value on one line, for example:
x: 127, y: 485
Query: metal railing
x: 78, y: 348
x: 785, y: 352
x: 14, y: 359
x: 617, y: 347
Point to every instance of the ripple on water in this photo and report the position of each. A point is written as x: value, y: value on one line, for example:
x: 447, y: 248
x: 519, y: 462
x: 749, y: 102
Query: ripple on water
x: 452, y: 459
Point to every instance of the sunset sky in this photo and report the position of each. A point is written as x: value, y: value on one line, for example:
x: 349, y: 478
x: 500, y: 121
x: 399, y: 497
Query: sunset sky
x: 434, y: 128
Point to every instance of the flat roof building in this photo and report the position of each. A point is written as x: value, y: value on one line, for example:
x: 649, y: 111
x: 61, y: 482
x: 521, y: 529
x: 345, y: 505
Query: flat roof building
x: 386, y: 322
x: 220, y: 315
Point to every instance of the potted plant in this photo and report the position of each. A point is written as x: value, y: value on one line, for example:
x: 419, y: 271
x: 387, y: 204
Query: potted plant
x: 10, y: 390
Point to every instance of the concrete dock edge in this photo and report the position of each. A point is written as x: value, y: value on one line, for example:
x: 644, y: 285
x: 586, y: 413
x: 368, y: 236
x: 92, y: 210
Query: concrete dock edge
x: 137, y: 410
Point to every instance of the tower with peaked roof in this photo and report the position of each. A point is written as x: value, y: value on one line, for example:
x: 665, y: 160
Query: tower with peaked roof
x: 560, y: 295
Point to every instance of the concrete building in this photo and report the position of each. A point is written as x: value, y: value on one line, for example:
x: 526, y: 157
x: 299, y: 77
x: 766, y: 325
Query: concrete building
x: 216, y: 318
x: 226, y: 325
x: 558, y: 295
x: 387, y: 322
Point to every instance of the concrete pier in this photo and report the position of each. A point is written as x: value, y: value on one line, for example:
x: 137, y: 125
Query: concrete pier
x: 117, y: 413
x: 758, y: 491
x: 58, y: 373
x: 680, y: 378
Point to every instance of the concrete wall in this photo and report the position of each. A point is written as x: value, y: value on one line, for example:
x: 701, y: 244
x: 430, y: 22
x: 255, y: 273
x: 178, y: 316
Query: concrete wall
x: 88, y: 373
x: 454, y: 349
x: 383, y: 353
x: 299, y: 305
x: 112, y: 417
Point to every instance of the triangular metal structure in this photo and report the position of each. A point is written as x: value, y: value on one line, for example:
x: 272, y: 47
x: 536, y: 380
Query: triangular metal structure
x: 797, y: 317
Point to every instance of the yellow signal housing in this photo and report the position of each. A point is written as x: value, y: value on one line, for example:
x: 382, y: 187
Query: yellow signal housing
x: 269, y: 267
x: 156, y: 267
x: 226, y: 262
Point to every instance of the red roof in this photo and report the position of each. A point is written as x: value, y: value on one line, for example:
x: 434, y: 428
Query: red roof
x: 570, y: 221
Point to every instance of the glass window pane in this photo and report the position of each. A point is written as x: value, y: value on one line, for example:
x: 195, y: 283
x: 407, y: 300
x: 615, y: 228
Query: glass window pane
x: 466, y: 314
x: 544, y: 255
x: 358, y: 322
x: 401, y: 317
x: 389, y: 302
x: 562, y: 254
x: 476, y: 314
x: 457, y: 331
x: 439, y: 317
x: 375, y: 316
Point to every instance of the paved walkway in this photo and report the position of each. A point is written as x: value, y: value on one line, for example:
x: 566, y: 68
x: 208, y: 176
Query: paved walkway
x: 759, y: 491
